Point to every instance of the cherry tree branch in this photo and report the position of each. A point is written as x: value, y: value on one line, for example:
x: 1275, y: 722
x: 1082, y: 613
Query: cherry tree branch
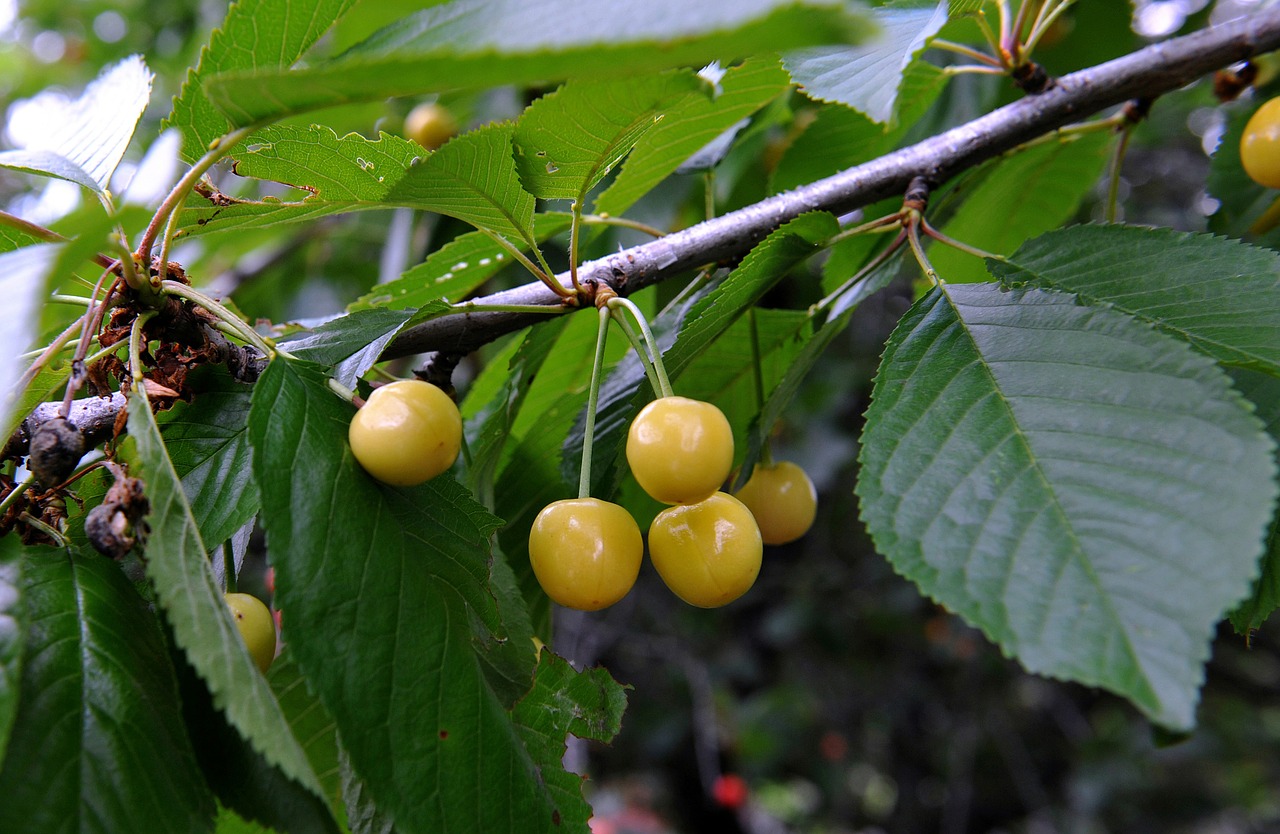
x: 1145, y: 74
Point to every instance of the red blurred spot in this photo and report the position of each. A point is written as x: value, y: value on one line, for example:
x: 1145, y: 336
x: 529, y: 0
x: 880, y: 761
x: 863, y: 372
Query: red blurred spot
x: 729, y: 791
x: 271, y: 580
x: 833, y: 746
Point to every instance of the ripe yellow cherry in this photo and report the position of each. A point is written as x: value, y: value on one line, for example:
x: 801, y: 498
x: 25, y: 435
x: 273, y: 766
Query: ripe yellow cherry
x: 585, y: 552
x: 680, y: 450
x: 257, y: 628
x: 708, y: 553
x: 407, y: 432
x: 430, y: 125
x: 1260, y: 145
x: 782, y: 499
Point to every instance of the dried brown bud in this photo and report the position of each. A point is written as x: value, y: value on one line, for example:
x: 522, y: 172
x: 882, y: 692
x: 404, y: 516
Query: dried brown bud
x: 56, y: 448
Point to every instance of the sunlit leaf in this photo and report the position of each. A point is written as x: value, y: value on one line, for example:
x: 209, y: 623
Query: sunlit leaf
x: 84, y: 140
x: 566, y: 141
x: 256, y: 36
x: 1089, y: 492
x: 483, y: 43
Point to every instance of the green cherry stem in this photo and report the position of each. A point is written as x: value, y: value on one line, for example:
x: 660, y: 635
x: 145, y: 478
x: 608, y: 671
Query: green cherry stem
x: 593, y: 401
x: 13, y: 496
x: 913, y: 238
x: 655, y: 355
x: 135, y: 346
x: 344, y: 392
x: 229, y: 577
x: 632, y: 336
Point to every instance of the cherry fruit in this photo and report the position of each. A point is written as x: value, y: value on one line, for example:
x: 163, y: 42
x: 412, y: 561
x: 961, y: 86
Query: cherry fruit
x: 680, y: 450
x: 406, y: 433
x: 1260, y: 145
x: 585, y: 552
x: 708, y: 553
x: 782, y: 499
x: 257, y: 628
x: 430, y: 125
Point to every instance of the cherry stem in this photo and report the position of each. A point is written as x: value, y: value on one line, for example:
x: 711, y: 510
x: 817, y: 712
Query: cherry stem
x: 56, y: 535
x: 622, y: 222
x: 344, y: 392
x: 858, y: 276
x: 1113, y: 175
x: 135, y: 347
x: 173, y: 201
x: 956, y: 244
x: 229, y: 577
x: 575, y: 227
x: 967, y: 51
x: 45, y: 356
x: 655, y: 355
x: 89, y: 323
x: 593, y: 401
x: 13, y: 496
x: 542, y: 273
x: 913, y: 238
x: 634, y: 338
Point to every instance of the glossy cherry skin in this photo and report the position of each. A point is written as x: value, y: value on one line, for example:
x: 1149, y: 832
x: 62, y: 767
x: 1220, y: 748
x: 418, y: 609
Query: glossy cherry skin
x: 680, y: 450
x: 782, y: 499
x: 257, y: 628
x: 1260, y: 145
x: 585, y: 552
x: 708, y: 553
x: 406, y: 433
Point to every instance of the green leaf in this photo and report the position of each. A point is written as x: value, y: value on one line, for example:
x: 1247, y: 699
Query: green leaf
x: 456, y: 269
x: 98, y: 743
x: 690, y: 125
x: 1033, y: 191
x: 210, y: 453
x: 12, y: 628
x: 11, y: 238
x: 1263, y: 390
x: 566, y: 141
x: 867, y: 77
x: 310, y: 722
x: 202, y: 625
x: 340, y: 174
x: 352, y: 342
x: 1089, y: 492
x: 473, y: 178
x: 838, y: 138
x: 1220, y: 295
x: 486, y: 43
x: 428, y: 735
x: 87, y: 138
x: 256, y: 36
x: 240, y: 776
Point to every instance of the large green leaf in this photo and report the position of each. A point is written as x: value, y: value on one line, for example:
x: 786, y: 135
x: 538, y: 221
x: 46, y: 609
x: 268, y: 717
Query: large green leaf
x: 1091, y: 493
x: 240, y: 776
x: 178, y: 566
x: 566, y: 141
x: 311, y: 723
x: 1035, y: 190
x: 12, y: 628
x: 256, y: 36
x: 485, y: 43
x: 474, y: 179
x: 1222, y: 296
x: 1263, y: 390
x: 690, y: 125
x: 98, y: 742
x: 393, y: 582
x: 867, y: 77
x: 351, y: 343
x: 87, y: 138
x: 210, y: 453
